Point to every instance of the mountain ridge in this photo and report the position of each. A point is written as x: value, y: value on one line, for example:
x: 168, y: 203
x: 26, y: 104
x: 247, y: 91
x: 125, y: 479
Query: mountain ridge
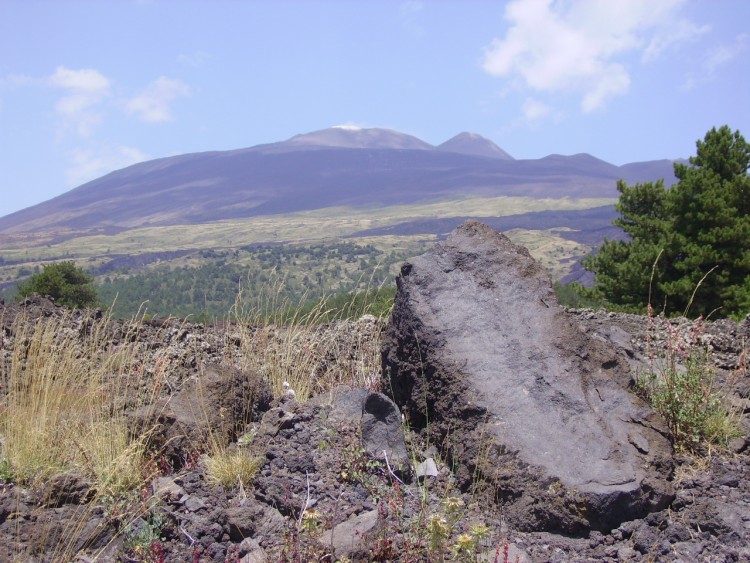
x: 342, y: 166
x: 474, y: 144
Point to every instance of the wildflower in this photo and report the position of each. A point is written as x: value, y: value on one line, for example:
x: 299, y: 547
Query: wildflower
x: 480, y: 532
x: 465, y: 543
x: 438, y: 531
x: 310, y: 520
x: 453, y: 504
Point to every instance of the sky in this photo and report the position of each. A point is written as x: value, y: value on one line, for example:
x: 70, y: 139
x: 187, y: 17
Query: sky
x: 88, y: 87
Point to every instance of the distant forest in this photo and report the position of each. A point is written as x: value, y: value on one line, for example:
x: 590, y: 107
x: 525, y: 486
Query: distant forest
x: 205, y: 285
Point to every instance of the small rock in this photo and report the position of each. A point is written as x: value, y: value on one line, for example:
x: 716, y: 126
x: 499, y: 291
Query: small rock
x: 254, y: 520
x: 67, y: 488
x: 251, y: 552
x: 596, y: 538
x: 676, y: 533
x: 688, y: 550
x: 718, y: 518
x: 382, y: 430
x: 639, y: 442
x: 738, y: 445
x: 728, y: 480
x: 194, y: 504
x: 427, y: 468
x: 288, y: 393
x: 627, y: 553
x: 166, y: 488
x: 348, y: 536
x: 274, y: 420
x: 644, y: 539
x: 345, y: 404
x: 626, y: 529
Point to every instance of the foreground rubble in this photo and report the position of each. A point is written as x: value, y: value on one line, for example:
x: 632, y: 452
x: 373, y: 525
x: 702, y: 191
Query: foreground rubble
x: 344, y: 476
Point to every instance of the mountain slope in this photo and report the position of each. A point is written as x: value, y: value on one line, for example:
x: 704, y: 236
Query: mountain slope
x: 475, y: 145
x: 350, y: 137
x: 332, y: 167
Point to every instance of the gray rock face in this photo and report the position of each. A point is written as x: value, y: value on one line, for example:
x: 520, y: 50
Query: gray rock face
x: 350, y: 535
x: 378, y: 419
x: 479, y: 354
x: 382, y: 433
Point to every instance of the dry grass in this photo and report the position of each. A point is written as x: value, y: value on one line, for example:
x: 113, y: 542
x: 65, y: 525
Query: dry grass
x: 62, y: 412
x: 282, y: 342
x: 680, y: 383
x: 231, y: 469
x: 68, y: 380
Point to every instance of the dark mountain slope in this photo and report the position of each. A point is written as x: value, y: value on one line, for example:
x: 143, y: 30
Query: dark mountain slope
x: 589, y: 226
x: 311, y: 172
x: 350, y: 137
x: 475, y: 145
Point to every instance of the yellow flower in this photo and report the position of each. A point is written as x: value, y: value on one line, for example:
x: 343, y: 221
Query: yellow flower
x: 480, y: 532
x: 453, y: 504
x: 465, y: 543
x: 311, y: 514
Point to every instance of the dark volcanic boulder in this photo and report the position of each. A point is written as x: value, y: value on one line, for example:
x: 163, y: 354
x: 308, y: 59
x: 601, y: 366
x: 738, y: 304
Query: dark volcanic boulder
x: 481, y: 357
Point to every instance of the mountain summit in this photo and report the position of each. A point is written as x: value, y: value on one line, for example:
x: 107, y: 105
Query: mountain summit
x: 335, y: 167
x: 352, y: 137
x: 474, y: 145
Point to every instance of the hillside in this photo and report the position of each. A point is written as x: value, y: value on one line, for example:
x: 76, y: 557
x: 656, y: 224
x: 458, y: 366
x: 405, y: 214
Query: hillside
x: 317, y: 482
x: 334, y: 167
x: 204, y: 222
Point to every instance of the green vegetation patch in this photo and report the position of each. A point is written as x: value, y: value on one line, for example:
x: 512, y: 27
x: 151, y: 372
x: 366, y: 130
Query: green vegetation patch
x: 296, y: 227
x: 693, y: 234
x: 206, y: 286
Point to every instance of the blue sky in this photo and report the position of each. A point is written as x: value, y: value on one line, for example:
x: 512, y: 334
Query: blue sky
x: 87, y: 87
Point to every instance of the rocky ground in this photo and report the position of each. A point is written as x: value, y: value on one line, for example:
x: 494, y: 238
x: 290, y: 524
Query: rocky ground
x: 324, y: 492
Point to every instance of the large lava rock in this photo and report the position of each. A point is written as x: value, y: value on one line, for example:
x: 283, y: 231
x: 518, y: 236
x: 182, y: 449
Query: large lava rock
x: 480, y: 356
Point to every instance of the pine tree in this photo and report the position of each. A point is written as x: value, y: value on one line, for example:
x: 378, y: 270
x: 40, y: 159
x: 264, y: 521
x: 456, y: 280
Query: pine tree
x: 64, y: 282
x: 699, y: 229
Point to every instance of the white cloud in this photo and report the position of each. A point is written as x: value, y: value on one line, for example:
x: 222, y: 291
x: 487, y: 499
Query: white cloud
x: 682, y: 31
x: 86, y: 80
x: 15, y: 80
x: 89, y: 164
x: 534, y: 110
x: 85, y: 89
x: 577, y: 46
x: 717, y: 59
x: 193, y: 60
x: 724, y: 54
x: 153, y: 104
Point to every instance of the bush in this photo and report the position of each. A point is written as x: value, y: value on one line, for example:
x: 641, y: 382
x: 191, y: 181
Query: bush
x: 680, y: 386
x: 699, y: 225
x: 67, y: 284
x: 576, y: 296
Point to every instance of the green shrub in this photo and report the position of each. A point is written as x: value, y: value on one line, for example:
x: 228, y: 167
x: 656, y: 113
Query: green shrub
x: 67, y: 284
x: 680, y: 386
x: 700, y: 224
x: 576, y: 296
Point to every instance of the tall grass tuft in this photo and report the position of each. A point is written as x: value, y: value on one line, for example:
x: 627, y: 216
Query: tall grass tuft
x: 309, y: 348
x: 66, y: 384
x: 63, y: 406
x: 231, y: 469
x: 680, y: 383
